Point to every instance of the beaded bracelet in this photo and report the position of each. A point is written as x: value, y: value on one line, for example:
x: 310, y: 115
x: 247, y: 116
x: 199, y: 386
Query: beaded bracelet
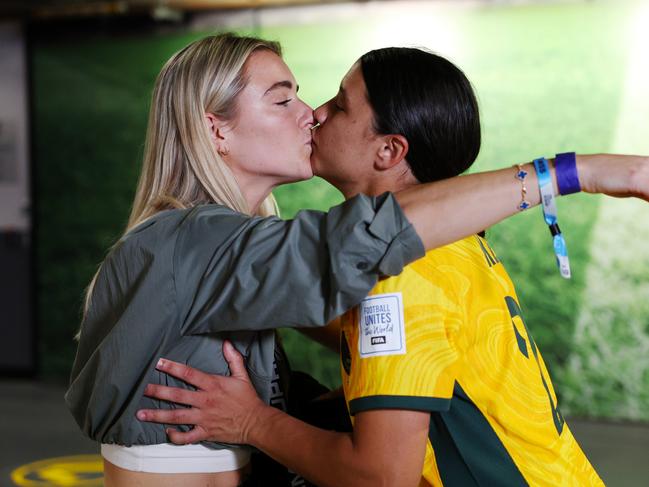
x: 521, y: 174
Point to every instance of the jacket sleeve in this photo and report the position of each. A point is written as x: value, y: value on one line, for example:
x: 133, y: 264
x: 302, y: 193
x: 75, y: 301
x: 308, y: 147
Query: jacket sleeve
x: 235, y: 272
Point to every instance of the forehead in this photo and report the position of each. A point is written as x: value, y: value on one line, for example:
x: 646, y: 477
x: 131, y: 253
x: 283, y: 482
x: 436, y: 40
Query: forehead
x: 353, y: 86
x: 264, y: 68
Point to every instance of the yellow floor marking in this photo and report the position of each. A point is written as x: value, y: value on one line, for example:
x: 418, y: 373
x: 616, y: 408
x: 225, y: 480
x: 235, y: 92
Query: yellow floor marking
x: 73, y: 471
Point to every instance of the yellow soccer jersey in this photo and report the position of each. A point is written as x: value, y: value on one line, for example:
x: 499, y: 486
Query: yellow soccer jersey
x: 447, y: 336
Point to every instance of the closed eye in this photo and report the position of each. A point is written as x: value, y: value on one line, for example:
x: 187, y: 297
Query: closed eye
x: 284, y: 103
x: 336, y: 105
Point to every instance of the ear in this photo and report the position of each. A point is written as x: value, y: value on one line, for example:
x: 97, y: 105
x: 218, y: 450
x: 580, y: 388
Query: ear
x: 392, y: 151
x: 219, y: 132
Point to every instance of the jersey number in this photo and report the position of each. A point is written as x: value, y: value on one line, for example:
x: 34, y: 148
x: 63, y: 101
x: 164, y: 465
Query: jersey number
x: 515, y: 313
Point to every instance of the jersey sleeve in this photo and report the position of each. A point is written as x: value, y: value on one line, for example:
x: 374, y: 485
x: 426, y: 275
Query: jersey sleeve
x: 401, y: 343
x: 233, y: 272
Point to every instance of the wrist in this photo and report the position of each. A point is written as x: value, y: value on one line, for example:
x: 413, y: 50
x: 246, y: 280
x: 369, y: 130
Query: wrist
x: 553, y: 175
x: 259, y: 419
x: 587, y: 169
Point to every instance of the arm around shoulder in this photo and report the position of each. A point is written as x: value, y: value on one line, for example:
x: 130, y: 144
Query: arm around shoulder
x: 237, y: 272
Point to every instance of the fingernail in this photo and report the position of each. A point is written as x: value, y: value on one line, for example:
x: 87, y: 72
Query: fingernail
x: 141, y: 415
x: 227, y: 345
x: 160, y: 364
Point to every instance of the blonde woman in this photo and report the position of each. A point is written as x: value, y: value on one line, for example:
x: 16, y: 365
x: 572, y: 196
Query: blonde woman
x: 203, y: 259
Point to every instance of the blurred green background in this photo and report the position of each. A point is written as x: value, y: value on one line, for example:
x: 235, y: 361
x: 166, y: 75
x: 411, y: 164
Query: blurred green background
x: 549, y: 78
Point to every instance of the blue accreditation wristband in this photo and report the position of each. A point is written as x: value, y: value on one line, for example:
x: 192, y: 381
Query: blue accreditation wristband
x: 549, y: 206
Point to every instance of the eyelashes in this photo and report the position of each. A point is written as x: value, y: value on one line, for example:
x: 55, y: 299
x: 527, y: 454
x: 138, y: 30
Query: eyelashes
x: 285, y: 102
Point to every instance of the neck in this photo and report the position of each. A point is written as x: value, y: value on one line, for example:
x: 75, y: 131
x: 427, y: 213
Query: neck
x: 377, y: 186
x: 254, y: 189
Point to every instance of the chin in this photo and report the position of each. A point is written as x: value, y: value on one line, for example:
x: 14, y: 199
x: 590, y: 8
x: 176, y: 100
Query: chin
x: 307, y: 170
x: 308, y: 174
x: 316, y: 166
x: 319, y: 171
x: 302, y: 176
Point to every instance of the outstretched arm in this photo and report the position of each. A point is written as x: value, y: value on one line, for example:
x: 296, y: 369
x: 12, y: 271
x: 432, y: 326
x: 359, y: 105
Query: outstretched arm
x: 387, y: 447
x: 445, y: 211
x: 326, y: 263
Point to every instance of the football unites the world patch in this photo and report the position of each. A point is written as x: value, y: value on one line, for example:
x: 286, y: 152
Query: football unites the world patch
x: 381, y: 326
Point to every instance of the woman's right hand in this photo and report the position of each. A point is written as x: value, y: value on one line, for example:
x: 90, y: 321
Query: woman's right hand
x: 614, y: 175
x: 222, y: 408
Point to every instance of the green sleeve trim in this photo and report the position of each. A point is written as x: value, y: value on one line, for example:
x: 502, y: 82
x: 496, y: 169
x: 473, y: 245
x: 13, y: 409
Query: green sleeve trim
x: 399, y: 402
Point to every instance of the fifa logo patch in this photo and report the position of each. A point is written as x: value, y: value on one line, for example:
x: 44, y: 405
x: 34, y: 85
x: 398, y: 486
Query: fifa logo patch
x: 381, y: 326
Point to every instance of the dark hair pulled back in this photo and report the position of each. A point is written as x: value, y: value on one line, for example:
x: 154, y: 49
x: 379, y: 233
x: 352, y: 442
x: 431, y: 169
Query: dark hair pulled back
x: 428, y: 100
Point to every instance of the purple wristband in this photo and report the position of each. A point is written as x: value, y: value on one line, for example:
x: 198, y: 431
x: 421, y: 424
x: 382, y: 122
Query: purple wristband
x: 567, y: 178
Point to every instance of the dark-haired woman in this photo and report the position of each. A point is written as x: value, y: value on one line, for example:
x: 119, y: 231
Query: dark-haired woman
x: 444, y: 384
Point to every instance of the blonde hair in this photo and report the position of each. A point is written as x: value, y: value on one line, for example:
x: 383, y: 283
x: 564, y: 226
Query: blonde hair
x: 181, y: 167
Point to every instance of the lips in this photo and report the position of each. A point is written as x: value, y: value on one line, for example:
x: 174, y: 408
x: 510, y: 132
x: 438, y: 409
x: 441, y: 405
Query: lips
x: 312, y: 133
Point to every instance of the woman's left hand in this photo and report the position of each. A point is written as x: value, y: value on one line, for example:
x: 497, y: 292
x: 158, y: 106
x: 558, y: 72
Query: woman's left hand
x: 221, y: 409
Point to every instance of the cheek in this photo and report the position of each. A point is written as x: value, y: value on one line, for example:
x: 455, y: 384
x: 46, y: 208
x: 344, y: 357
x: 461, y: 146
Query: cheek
x: 260, y: 140
x: 343, y: 142
x: 285, y: 152
x: 282, y: 131
x: 335, y: 158
x: 273, y: 143
x: 285, y: 147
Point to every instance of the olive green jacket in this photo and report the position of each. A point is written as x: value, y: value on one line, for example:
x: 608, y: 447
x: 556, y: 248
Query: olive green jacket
x: 183, y: 281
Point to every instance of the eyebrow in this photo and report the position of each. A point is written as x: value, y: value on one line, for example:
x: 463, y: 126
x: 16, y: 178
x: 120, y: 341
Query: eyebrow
x: 282, y: 84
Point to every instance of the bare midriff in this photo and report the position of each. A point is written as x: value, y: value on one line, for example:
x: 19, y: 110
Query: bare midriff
x: 115, y: 476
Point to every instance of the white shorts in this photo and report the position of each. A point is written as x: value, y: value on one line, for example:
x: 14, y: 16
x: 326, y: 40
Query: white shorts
x: 170, y: 458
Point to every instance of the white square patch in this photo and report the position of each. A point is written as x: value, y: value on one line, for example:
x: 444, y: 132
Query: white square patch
x: 381, y: 329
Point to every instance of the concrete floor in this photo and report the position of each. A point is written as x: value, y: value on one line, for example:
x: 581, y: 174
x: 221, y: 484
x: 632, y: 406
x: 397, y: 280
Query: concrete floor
x: 35, y: 425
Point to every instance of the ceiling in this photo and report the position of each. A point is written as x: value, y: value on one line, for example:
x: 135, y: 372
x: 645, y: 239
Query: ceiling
x: 51, y: 9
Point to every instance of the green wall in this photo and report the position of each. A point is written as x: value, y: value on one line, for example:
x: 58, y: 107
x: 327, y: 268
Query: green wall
x: 549, y: 79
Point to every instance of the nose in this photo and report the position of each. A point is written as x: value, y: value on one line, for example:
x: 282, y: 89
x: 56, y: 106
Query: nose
x: 320, y: 113
x: 306, y: 115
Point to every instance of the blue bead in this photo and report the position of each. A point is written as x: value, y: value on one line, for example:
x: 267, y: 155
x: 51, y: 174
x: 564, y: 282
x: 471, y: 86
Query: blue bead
x: 524, y: 205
